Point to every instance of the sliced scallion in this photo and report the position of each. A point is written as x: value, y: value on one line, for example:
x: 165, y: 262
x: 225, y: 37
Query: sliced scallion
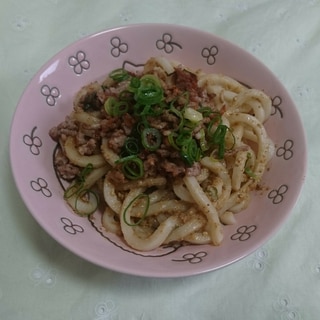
x: 145, y: 212
x: 151, y: 138
x: 119, y: 75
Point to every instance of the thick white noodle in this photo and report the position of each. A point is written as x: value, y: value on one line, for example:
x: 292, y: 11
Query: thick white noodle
x: 109, y: 223
x: 213, y: 82
x: 76, y: 158
x: 256, y: 100
x: 241, y: 196
x: 206, y: 206
x: 199, y: 238
x: 263, y: 140
x: 86, y: 118
x: 110, y: 196
x: 182, y: 192
x: 186, y: 229
x: 220, y: 170
x: 88, y: 203
x: 156, y: 239
x: 109, y: 155
x: 169, y: 206
x: 228, y: 218
x: 143, y: 183
x: 237, y: 175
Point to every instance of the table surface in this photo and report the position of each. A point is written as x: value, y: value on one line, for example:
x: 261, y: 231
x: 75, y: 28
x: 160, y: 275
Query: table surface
x: 40, y: 279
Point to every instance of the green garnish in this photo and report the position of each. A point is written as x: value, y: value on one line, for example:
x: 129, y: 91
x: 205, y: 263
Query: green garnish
x: 151, y: 138
x: 146, y: 208
x: 132, y: 167
x: 144, y: 99
x: 119, y: 75
x: 116, y: 108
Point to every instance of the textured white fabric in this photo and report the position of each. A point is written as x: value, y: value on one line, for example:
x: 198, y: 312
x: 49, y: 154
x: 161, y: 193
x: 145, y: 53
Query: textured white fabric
x: 39, y: 279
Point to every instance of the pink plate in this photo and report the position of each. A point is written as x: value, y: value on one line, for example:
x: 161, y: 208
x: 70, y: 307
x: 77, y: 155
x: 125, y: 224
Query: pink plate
x: 48, y: 99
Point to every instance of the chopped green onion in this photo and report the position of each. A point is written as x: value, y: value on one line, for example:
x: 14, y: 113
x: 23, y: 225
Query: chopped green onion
x: 193, y: 115
x: 151, y: 138
x: 81, y: 202
x: 79, y: 182
x: 72, y: 190
x: 202, y: 140
x: 149, y: 91
x: 190, y: 152
x: 149, y: 95
x: 134, y: 84
x: 145, y: 212
x: 132, y: 167
x: 218, y: 138
x: 85, y: 172
x: 150, y: 80
x: 157, y: 109
x: 184, y: 137
x: 177, y: 113
x: 212, y: 192
x: 206, y: 111
x: 131, y: 146
x: 125, y: 95
x: 219, y: 134
x: 215, y: 121
x: 171, y: 139
x: 115, y: 108
x: 119, y: 75
x: 248, y: 171
x: 85, y: 201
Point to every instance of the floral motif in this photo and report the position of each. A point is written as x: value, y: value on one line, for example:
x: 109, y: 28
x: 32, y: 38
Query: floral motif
x: 20, y: 23
x: 276, y: 102
x: 118, y: 47
x: 277, y: 195
x: 316, y: 269
x: 79, y: 62
x: 41, y: 275
x: 258, y: 262
x: 210, y: 54
x: 70, y: 227
x: 244, y: 233
x: 285, y: 309
x: 286, y: 150
x: 41, y: 185
x: 193, y: 258
x: 105, y: 310
x: 51, y: 94
x: 166, y: 43
x: 33, y: 142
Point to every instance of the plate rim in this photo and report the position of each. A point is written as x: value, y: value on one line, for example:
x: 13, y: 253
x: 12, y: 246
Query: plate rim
x: 137, y: 272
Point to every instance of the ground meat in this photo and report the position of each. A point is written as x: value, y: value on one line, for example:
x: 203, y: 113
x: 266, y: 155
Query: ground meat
x: 195, y: 170
x: 64, y: 129
x: 166, y: 160
x: 116, y: 140
x: 175, y: 170
x: 187, y: 81
x: 150, y: 165
x: 88, y: 148
x: 171, y: 119
x: 65, y: 169
x: 128, y: 123
x: 108, y: 125
x: 116, y: 176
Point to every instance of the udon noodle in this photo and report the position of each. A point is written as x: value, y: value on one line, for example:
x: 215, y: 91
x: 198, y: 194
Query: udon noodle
x: 166, y: 154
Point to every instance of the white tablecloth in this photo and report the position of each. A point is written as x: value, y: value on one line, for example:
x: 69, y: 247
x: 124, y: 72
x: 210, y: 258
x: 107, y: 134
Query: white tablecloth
x: 39, y: 279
